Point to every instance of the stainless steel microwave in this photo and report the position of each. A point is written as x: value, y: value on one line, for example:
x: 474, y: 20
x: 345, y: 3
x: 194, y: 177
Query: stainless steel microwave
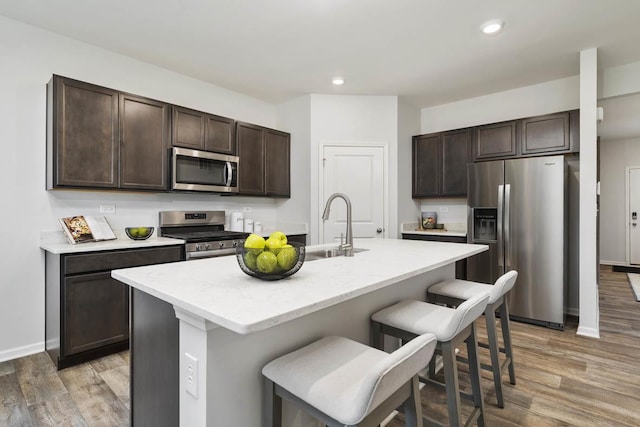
x: 194, y: 170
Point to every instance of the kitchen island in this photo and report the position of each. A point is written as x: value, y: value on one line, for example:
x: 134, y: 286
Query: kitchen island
x: 230, y: 324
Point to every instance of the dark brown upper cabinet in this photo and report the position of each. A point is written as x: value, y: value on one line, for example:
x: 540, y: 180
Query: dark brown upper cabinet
x: 82, y: 135
x: 264, y: 161
x: 440, y: 164
x: 456, y: 154
x: 498, y: 140
x: 278, y: 164
x: 101, y: 138
x: 545, y: 134
x: 202, y: 131
x: 144, y: 141
x: 426, y: 165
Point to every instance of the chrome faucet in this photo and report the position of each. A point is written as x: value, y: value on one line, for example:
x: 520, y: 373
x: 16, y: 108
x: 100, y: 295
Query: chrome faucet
x: 347, y: 246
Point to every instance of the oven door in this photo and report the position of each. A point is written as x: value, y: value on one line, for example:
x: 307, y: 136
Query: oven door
x: 194, y: 170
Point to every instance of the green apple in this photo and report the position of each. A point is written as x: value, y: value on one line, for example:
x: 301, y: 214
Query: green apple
x: 267, y: 262
x: 280, y: 237
x: 287, y: 257
x: 142, y: 231
x: 254, y: 243
x: 273, y: 245
x: 251, y: 261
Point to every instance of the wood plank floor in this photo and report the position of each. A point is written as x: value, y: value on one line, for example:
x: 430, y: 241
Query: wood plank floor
x: 562, y: 379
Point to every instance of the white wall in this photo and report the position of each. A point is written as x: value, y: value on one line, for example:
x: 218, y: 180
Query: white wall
x: 615, y: 157
x: 295, y: 117
x: 29, y: 57
x: 344, y: 119
x: 408, y: 125
x: 543, y: 98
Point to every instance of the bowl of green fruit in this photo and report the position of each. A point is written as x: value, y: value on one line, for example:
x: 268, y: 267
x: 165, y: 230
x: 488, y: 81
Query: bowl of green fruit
x: 139, y: 233
x: 270, y: 259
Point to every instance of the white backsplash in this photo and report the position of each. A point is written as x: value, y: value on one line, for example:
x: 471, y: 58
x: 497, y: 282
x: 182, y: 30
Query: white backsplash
x: 448, y: 210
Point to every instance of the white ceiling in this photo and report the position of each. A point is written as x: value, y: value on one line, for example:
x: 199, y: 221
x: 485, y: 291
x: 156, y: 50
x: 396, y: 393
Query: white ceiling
x: 429, y: 52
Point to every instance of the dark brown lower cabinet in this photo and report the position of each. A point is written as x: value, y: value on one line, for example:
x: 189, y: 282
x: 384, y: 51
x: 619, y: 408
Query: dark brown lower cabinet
x: 87, y: 311
x: 461, y: 266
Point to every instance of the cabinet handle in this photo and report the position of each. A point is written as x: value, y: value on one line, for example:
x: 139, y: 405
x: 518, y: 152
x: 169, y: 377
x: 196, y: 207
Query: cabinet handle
x: 379, y: 230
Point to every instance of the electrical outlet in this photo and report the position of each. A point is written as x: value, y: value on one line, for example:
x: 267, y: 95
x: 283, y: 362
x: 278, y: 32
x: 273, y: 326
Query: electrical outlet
x: 246, y: 209
x: 108, y: 209
x: 443, y: 209
x: 191, y: 371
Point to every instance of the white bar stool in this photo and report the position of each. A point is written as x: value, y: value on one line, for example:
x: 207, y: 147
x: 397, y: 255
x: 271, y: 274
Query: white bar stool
x: 452, y: 327
x: 344, y: 383
x: 453, y: 292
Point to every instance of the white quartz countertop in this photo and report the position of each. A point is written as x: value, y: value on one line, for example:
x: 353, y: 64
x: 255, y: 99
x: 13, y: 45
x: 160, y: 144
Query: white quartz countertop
x: 122, y: 242
x: 218, y: 291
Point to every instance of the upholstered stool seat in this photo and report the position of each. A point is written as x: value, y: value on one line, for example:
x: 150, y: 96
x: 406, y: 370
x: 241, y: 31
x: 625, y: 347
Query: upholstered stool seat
x: 452, y: 327
x: 345, y: 383
x: 453, y: 292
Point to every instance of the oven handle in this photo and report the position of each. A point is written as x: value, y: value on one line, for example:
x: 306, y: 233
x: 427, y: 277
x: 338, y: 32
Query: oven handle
x: 228, y: 174
x: 210, y: 254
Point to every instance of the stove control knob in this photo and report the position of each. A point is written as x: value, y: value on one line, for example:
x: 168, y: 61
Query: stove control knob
x: 235, y: 244
x: 199, y: 247
x: 208, y: 246
x: 221, y: 244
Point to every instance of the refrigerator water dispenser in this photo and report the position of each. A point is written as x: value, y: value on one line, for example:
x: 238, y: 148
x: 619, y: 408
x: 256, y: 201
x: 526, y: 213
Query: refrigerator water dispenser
x: 485, y: 224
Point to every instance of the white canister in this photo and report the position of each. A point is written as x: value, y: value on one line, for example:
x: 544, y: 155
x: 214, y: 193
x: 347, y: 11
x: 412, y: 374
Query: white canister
x: 237, y: 221
x: 248, y: 225
x: 257, y: 227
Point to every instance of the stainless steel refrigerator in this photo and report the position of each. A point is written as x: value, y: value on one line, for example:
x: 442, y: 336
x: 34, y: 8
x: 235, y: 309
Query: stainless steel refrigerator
x: 519, y: 208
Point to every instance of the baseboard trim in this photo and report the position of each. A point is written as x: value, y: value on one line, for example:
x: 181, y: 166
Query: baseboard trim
x: 588, y: 332
x: 14, y: 353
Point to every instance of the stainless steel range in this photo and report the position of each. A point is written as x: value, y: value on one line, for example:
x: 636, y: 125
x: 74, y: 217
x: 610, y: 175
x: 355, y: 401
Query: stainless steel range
x: 203, y: 231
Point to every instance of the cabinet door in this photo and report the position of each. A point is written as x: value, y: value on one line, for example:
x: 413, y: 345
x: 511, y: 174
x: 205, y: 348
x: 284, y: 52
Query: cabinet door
x: 497, y: 140
x: 545, y: 134
x: 144, y: 139
x: 426, y: 165
x: 83, y: 141
x: 456, y: 153
x: 96, y: 312
x: 219, y: 134
x: 278, y: 164
x: 188, y: 128
x: 251, y: 152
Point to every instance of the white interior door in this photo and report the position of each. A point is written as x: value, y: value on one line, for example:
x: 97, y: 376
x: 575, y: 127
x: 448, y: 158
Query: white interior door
x: 358, y: 172
x: 634, y: 215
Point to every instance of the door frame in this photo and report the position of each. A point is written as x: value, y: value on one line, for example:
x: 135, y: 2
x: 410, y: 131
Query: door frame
x: 627, y: 214
x: 385, y: 179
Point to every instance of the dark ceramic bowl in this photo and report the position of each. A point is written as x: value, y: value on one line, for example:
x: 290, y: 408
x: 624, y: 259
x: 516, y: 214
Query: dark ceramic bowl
x: 139, y: 233
x: 273, y: 266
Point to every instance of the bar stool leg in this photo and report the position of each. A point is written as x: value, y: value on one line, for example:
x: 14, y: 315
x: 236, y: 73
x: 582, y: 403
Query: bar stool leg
x: 451, y: 382
x: 494, y: 351
x: 412, y: 407
x: 475, y: 373
x: 272, y: 416
x: 506, y: 336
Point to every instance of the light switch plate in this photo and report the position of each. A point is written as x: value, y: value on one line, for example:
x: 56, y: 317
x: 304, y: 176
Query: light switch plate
x: 108, y: 209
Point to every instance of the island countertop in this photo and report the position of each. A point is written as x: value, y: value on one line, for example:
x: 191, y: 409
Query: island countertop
x: 216, y: 290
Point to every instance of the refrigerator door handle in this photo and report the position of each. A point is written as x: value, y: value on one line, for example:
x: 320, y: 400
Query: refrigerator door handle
x: 507, y: 225
x: 500, y: 231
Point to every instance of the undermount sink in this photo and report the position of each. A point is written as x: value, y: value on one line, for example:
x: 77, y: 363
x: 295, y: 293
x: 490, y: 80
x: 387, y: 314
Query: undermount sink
x: 328, y: 253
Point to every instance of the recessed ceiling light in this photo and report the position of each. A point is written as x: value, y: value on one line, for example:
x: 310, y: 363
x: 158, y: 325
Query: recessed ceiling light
x: 338, y: 81
x: 492, y: 27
